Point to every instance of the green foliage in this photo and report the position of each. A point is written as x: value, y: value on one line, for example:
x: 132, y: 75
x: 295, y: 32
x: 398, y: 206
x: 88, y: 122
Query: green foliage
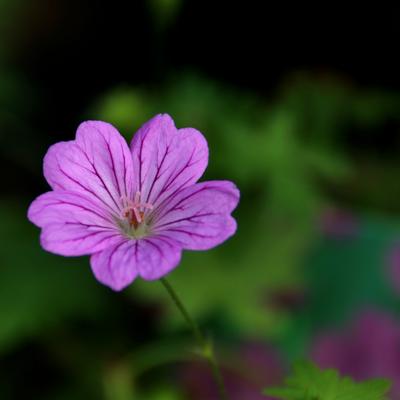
x: 357, y: 268
x: 39, y: 291
x: 308, y: 382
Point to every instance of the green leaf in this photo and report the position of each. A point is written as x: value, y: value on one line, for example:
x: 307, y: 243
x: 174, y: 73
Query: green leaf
x: 308, y: 382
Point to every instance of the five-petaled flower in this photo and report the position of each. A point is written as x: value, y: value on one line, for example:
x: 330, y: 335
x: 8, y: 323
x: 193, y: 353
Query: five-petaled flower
x: 133, y: 210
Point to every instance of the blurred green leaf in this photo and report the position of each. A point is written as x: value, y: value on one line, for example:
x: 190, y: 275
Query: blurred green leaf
x: 162, y: 393
x: 39, y: 290
x: 345, y: 274
x: 125, y: 107
x: 357, y: 268
x: 308, y: 382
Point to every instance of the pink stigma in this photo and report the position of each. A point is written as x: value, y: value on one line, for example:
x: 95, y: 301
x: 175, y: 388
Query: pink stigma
x: 134, y: 210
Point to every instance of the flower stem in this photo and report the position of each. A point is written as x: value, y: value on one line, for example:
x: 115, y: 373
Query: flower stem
x: 207, y: 350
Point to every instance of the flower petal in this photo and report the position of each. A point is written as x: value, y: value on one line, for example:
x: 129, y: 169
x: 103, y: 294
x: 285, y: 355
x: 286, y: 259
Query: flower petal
x: 157, y: 256
x: 72, y: 223
x: 199, y: 217
x: 63, y: 206
x: 151, y: 258
x: 76, y: 239
x: 98, y: 163
x: 115, y: 266
x: 166, y: 159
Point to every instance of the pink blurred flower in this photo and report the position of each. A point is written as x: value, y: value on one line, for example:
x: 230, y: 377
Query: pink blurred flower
x: 338, y: 223
x: 246, y: 374
x: 133, y: 210
x: 369, y: 348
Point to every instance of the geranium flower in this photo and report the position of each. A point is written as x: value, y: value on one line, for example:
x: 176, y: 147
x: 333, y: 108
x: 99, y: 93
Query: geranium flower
x: 133, y: 210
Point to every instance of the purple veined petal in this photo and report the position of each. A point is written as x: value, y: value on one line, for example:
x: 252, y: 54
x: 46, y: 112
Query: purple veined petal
x: 74, y: 239
x: 98, y: 163
x: 69, y: 207
x: 166, y: 159
x: 150, y: 258
x: 115, y: 266
x: 198, y: 217
x: 72, y: 224
x: 157, y: 256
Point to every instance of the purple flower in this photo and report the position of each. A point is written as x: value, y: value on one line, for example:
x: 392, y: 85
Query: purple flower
x: 337, y: 223
x: 133, y: 210
x: 369, y: 348
x: 247, y: 372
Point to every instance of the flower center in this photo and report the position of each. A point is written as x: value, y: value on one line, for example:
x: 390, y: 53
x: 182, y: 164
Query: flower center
x: 133, y: 216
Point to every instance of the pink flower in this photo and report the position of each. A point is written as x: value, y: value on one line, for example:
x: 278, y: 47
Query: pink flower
x: 246, y: 373
x: 368, y: 348
x: 339, y: 224
x: 133, y: 210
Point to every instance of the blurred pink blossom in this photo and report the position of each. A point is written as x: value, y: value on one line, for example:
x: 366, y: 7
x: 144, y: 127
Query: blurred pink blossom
x: 368, y: 348
x: 254, y: 367
x: 338, y: 223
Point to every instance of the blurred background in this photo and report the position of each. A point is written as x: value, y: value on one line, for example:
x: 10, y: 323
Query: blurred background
x: 301, y: 108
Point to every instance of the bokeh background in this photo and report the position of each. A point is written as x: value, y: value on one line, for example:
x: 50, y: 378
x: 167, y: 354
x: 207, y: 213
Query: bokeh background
x: 301, y: 108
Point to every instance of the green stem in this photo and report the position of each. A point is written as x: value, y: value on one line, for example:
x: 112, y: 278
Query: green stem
x: 206, y: 346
